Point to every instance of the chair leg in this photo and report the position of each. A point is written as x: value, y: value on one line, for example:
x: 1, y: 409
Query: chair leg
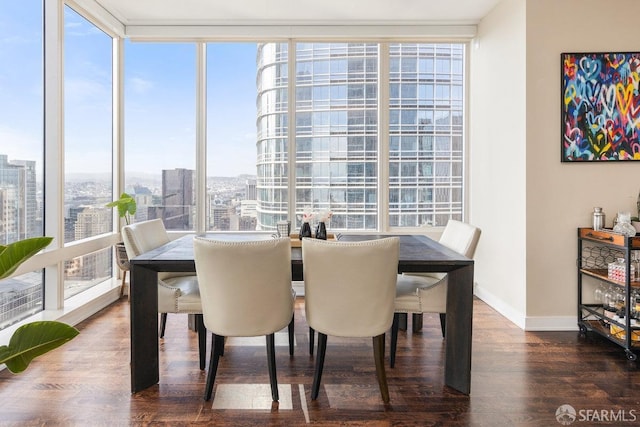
x: 291, y: 334
x: 378, y: 355
x: 271, y: 362
x: 312, y: 337
x: 202, y: 340
x: 163, y: 324
x: 416, y: 322
x: 443, y: 322
x: 317, y: 375
x: 402, y: 325
x: 217, y: 342
x: 124, y: 277
x: 394, y: 338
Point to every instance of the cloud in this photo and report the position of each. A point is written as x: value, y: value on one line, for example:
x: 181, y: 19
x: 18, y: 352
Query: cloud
x: 139, y: 85
x: 78, y: 90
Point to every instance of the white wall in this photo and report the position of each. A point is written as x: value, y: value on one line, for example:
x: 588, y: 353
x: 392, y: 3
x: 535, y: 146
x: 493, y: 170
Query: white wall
x: 497, y: 144
x: 530, y: 206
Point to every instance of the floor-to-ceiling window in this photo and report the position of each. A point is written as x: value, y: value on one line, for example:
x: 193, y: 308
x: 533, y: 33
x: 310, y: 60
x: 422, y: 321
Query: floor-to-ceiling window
x: 21, y: 148
x: 88, y: 112
x: 160, y: 131
x: 290, y: 127
x: 337, y: 132
x: 338, y: 161
x: 234, y: 151
x: 425, y: 133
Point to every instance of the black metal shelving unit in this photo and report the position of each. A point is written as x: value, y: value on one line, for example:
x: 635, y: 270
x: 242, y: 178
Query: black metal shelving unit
x: 596, y: 249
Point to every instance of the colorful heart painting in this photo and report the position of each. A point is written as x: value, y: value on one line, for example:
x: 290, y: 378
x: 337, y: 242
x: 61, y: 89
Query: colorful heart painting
x: 600, y: 106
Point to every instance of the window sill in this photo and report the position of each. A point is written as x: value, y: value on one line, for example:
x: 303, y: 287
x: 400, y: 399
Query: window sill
x: 76, y: 309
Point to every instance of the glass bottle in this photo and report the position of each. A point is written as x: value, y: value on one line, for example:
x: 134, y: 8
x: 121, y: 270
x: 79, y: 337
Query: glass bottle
x: 598, y: 293
x: 609, y: 301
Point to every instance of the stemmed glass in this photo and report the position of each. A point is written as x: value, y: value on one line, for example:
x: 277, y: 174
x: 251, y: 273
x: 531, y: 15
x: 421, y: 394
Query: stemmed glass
x: 599, y: 292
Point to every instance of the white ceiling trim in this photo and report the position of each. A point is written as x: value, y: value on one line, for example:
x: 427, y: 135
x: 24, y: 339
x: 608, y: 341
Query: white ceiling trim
x: 99, y: 16
x: 311, y: 32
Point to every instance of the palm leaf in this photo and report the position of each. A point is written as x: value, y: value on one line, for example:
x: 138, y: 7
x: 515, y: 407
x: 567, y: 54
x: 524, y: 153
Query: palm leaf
x: 14, y: 254
x: 32, y: 340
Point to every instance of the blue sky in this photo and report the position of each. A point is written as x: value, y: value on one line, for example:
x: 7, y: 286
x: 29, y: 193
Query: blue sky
x: 159, y: 98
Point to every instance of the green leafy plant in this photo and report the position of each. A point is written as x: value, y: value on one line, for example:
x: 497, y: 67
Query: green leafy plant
x: 36, y: 338
x: 126, y: 205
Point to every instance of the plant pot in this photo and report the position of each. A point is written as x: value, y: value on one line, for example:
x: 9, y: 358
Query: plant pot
x: 121, y: 256
x: 123, y: 263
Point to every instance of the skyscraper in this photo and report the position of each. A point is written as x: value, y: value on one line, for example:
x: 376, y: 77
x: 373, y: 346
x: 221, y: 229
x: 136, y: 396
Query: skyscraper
x: 250, y: 191
x: 337, y: 129
x: 178, y: 198
x: 18, y: 205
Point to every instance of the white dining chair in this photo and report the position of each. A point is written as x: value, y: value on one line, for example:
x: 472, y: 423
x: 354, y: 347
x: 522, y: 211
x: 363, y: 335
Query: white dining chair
x: 349, y: 292
x: 246, y: 292
x: 419, y: 293
x: 177, y: 292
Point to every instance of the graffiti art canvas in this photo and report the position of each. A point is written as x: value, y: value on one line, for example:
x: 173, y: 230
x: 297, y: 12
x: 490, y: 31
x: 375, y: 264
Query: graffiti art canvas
x: 600, y: 106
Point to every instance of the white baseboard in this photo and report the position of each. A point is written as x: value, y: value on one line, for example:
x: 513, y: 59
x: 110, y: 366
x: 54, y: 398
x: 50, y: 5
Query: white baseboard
x: 500, y: 306
x: 551, y: 323
x: 527, y: 323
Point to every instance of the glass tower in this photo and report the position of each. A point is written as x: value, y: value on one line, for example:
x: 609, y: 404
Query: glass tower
x: 337, y: 147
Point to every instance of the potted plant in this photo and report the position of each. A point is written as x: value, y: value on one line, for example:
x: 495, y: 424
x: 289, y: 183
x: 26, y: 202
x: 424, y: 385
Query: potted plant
x: 126, y: 206
x: 36, y: 338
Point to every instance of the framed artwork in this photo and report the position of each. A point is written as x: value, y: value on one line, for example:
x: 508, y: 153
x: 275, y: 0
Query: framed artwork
x: 600, y: 106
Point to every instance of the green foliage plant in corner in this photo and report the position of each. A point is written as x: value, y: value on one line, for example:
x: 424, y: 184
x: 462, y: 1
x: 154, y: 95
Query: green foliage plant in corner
x: 36, y: 338
x: 126, y: 207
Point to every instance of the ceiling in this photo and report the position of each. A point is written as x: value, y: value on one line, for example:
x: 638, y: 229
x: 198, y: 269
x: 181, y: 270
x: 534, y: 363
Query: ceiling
x: 299, y: 12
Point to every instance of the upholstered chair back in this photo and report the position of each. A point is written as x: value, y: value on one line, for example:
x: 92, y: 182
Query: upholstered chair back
x: 245, y: 286
x: 350, y: 287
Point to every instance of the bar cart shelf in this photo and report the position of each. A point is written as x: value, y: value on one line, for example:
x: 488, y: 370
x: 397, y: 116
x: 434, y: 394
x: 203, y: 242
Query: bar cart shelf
x: 596, y: 249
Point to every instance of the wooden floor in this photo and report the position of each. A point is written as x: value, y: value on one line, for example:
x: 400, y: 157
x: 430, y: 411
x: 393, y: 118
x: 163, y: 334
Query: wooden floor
x: 518, y: 379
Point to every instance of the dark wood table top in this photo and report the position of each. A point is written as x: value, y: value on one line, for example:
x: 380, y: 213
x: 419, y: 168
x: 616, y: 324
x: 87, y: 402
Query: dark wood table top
x: 418, y: 253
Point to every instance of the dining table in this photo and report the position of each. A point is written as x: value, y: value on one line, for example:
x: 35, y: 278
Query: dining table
x: 418, y: 253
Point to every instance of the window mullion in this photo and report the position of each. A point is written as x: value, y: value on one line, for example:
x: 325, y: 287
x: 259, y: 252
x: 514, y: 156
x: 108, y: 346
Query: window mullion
x: 201, y: 137
x: 54, y: 148
x: 383, y: 136
x: 291, y: 131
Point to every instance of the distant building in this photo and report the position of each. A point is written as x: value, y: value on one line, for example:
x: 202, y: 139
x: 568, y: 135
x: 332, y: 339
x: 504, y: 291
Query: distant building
x: 249, y: 208
x: 20, y: 297
x: 251, y: 192
x: 221, y: 215
x: 144, y: 199
x: 247, y: 223
x: 18, y: 204
x: 336, y: 133
x: 90, y: 222
x: 178, y: 198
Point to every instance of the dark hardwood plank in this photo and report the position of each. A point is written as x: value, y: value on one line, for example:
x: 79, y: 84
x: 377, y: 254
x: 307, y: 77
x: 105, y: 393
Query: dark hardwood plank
x: 518, y: 378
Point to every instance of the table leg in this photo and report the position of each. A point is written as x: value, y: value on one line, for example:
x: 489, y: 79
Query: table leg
x: 143, y: 290
x: 457, y: 368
